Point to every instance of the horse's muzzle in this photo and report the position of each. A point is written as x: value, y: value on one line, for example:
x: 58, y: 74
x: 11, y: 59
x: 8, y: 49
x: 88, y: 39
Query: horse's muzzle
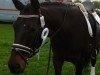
x: 15, y: 68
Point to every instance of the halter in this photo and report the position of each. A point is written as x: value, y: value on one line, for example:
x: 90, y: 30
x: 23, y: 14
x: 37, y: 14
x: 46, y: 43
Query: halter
x: 28, y: 50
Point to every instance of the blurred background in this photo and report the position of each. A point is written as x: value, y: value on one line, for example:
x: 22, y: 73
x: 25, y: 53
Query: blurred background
x: 8, y: 13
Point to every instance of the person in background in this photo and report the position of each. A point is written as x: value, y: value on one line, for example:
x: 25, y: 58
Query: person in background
x: 56, y: 0
x: 66, y: 1
x: 62, y: 1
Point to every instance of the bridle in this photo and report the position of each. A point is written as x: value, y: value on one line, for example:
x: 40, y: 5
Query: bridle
x: 21, y: 48
x: 28, y: 50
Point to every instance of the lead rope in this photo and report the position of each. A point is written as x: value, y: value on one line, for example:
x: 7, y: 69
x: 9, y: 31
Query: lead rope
x: 51, y: 46
x: 49, y: 60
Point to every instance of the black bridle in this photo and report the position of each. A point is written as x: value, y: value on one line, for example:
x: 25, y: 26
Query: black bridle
x: 24, y: 49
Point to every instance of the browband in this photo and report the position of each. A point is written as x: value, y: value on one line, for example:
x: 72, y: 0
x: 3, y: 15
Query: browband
x: 28, y: 16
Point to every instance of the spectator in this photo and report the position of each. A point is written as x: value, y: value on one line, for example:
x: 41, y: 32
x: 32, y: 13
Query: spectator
x: 56, y: 0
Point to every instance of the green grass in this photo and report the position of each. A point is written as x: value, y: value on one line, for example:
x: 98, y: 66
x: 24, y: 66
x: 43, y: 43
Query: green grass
x: 35, y: 66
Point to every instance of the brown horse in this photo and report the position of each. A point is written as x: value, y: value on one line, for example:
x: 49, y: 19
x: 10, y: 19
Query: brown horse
x: 68, y: 32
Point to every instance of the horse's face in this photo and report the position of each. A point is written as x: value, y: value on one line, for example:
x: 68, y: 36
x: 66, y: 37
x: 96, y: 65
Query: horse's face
x: 27, y: 40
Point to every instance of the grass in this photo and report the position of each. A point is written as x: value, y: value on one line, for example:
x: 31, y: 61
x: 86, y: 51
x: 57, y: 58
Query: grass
x: 35, y: 67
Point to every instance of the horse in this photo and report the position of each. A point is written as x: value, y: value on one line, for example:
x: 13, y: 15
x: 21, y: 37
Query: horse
x: 67, y: 29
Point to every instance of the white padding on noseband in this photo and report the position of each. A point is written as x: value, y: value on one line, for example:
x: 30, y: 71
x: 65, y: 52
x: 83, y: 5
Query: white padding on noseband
x: 92, y: 71
x: 42, y: 21
x: 28, y: 16
x: 21, y: 46
x: 18, y: 49
x: 44, y: 35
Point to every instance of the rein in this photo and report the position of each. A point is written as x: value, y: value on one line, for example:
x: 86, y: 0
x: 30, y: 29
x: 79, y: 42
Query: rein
x: 51, y: 43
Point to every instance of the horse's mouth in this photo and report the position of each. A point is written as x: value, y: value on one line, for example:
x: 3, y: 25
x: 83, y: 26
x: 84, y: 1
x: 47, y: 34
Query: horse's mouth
x: 15, y: 69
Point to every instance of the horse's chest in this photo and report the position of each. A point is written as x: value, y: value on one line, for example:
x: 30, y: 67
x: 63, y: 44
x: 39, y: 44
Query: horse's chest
x: 62, y: 42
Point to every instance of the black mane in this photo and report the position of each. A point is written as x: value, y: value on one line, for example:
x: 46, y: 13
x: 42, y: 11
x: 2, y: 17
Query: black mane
x: 53, y: 4
x: 56, y: 5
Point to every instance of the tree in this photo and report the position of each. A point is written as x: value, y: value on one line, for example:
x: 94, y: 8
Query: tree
x: 97, y: 4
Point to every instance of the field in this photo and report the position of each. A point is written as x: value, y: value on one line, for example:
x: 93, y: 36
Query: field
x: 35, y: 66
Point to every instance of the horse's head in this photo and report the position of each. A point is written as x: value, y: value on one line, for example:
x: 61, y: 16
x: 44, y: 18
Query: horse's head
x: 30, y: 34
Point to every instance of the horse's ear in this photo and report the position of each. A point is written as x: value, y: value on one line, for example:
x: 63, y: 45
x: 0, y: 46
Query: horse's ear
x: 18, y: 4
x: 35, y: 4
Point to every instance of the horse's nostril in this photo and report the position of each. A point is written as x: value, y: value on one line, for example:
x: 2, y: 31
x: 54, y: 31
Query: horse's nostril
x: 15, y: 68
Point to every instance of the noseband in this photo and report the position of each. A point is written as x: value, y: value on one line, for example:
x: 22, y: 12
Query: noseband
x: 21, y: 48
x: 25, y: 49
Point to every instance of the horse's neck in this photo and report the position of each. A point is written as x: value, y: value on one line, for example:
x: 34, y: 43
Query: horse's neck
x: 53, y: 18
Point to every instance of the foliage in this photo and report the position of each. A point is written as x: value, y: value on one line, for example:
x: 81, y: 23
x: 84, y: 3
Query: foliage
x: 97, y: 4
